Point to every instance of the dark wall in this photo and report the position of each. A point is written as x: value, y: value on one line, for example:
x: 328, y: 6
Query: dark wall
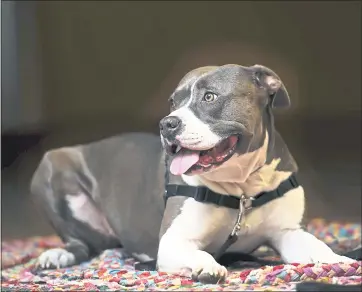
x: 107, y: 60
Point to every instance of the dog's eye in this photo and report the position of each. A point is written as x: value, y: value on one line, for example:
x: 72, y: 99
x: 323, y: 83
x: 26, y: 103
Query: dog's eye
x: 209, y: 97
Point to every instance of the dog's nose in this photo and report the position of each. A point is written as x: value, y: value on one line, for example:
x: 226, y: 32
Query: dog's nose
x: 169, y: 125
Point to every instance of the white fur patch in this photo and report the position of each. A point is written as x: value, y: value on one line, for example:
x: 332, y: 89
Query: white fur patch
x: 298, y: 246
x: 192, y: 230
x: 196, y: 134
x: 56, y: 258
x: 85, y: 211
x: 142, y: 257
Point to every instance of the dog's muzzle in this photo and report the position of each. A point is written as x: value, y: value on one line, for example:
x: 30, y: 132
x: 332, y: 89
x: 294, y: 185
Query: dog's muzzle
x: 170, y: 126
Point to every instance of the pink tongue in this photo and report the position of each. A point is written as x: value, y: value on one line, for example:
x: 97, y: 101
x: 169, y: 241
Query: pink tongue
x: 183, y: 160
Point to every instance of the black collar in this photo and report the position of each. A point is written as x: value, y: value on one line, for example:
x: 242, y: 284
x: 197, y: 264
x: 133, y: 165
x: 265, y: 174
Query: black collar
x: 205, y: 195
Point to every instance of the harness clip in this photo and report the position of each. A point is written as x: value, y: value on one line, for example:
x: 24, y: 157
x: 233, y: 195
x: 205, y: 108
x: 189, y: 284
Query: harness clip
x: 244, y: 206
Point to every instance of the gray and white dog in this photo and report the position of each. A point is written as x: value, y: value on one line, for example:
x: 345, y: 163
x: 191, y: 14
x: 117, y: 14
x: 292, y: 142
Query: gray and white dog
x: 220, y: 134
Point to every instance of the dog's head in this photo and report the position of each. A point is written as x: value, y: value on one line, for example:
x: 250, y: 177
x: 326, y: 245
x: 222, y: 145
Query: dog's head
x: 215, y: 114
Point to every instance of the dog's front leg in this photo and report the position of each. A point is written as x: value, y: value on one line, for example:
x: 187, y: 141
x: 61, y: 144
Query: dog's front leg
x: 299, y: 246
x: 181, y: 246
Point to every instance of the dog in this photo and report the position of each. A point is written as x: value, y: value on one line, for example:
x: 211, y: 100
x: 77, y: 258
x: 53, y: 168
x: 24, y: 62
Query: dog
x: 219, y: 135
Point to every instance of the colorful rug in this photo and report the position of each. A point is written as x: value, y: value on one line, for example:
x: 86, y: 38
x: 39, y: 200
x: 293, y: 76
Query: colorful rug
x: 112, y: 270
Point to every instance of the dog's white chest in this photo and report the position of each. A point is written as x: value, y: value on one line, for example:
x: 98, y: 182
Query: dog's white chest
x: 249, y: 237
x: 208, y: 226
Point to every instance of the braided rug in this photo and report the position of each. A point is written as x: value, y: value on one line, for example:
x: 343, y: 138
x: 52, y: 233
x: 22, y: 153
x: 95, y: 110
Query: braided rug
x: 113, y: 271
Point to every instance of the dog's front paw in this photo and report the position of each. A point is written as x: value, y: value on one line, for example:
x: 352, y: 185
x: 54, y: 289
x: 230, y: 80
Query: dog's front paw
x: 55, y: 258
x: 198, y: 265
x: 298, y: 246
x: 210, y: 274
x: 321, y: 253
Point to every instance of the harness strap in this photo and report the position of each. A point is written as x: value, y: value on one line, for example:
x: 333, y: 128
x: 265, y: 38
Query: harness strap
x: 205, y: 195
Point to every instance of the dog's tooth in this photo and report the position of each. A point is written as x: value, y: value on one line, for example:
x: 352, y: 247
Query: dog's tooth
x: 178, y: 148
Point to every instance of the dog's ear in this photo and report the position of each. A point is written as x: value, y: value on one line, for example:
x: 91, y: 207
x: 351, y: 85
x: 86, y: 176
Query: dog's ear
x: 270, y: 80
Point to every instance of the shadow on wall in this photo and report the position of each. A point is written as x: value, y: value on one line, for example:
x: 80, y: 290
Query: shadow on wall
x: 221, y: 54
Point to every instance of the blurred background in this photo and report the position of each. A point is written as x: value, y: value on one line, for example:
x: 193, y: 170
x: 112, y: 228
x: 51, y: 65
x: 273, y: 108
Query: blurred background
x: 79, y: 71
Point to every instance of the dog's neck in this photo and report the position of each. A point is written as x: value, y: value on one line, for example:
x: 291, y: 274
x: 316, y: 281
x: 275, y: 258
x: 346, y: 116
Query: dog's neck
x: 248, y: 174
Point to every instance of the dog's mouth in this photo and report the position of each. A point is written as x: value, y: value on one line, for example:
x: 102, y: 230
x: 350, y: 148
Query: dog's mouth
x: 197, y: 161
